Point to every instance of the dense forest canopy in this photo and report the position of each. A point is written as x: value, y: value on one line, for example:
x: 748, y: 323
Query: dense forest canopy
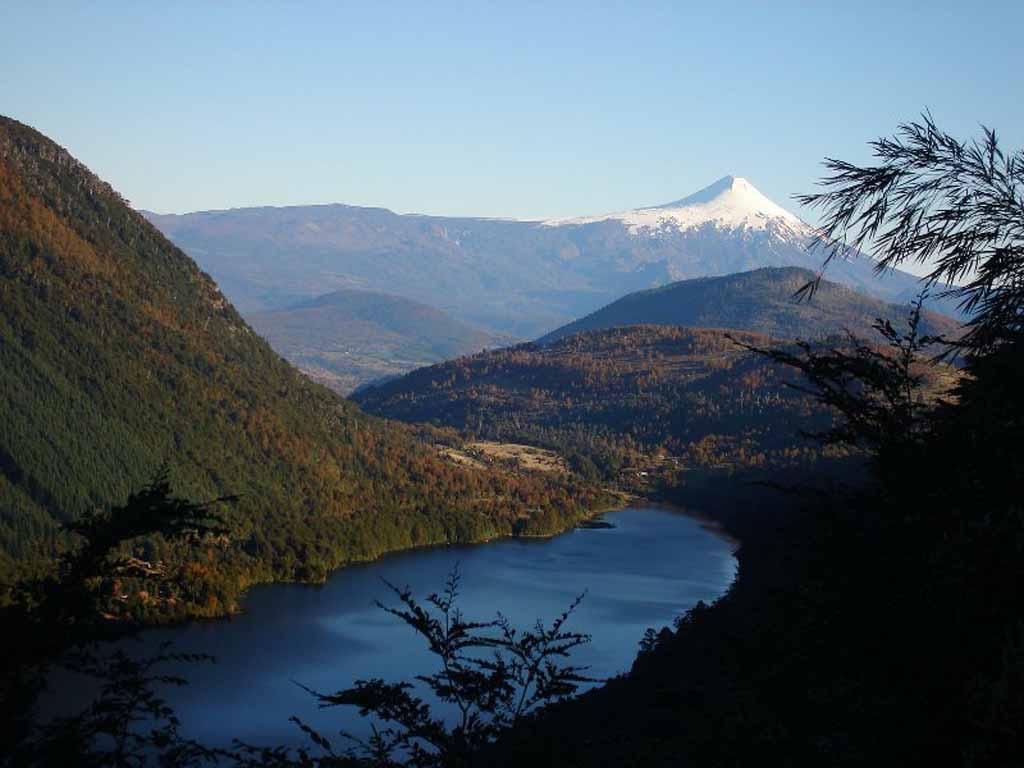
x: 662, y: 399
x: 118, y: 355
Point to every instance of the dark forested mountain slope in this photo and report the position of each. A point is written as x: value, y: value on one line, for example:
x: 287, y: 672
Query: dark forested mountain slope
x: 518, y: 277
x: 350, y: 337
x: 762, y: 301
x: 648, y: 397
x: 118, y: 354
x: 616, y: 398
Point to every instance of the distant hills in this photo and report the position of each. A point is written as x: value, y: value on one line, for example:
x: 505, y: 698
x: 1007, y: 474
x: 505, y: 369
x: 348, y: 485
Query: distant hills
x: 656, y: 376
x: 118, y: 354
x: 643, y: 400
x: 522, y: 278
x: 350, y: 337
x: 761, y: 301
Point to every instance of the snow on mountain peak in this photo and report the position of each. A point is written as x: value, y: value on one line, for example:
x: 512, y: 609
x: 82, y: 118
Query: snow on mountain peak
x: 735, y: 189
x: 732, y: 202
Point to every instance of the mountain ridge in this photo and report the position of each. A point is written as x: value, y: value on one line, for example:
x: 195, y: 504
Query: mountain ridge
x: 118, y: 356
x: 761, y: 301
x: 523, y: 278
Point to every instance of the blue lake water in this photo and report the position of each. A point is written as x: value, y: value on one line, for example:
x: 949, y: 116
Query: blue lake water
x: 651, y: 567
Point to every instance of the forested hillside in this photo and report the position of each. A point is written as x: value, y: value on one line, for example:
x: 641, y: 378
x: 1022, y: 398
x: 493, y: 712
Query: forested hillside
x: 763, y: 301
x: 118, y: 355
x: 653, y: 401
x: 616, y: 399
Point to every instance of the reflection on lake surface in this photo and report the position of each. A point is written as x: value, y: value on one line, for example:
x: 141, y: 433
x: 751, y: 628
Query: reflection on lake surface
x: 652, y: 566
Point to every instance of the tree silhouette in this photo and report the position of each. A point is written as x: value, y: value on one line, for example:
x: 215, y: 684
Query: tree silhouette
x: 56, y: 620
x: 491, y: 673
x: 875, y: 387
x: 955, y: 206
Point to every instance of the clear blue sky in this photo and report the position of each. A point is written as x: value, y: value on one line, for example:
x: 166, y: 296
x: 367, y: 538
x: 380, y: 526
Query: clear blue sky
x: 512, y: 109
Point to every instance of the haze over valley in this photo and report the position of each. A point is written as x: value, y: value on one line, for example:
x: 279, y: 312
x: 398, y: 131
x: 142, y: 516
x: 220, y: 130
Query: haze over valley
x: 350, y: 337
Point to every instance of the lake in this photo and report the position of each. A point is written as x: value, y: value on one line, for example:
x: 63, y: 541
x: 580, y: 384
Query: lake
x: 651, y: 567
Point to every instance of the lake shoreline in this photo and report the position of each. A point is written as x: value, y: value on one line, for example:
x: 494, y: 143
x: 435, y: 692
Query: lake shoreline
x: 657, y: 562
x: 707, y: 522
x: 237, y: 609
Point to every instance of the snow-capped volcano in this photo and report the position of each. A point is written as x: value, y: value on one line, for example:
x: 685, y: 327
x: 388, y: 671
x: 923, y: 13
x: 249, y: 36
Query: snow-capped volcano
x: 514, y: 277
x: 731, y: 202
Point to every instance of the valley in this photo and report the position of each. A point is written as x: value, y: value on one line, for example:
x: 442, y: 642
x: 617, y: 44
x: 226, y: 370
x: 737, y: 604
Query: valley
x: 350, y: 338
x: 124, y: 331
x: 773, y: 517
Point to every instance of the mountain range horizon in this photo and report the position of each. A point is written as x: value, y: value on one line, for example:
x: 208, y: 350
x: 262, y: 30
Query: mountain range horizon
x: 728, y: 182
x: 522, y: 278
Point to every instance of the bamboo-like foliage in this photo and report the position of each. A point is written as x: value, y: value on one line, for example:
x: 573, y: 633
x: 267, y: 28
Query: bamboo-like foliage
x: 955, y: 206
